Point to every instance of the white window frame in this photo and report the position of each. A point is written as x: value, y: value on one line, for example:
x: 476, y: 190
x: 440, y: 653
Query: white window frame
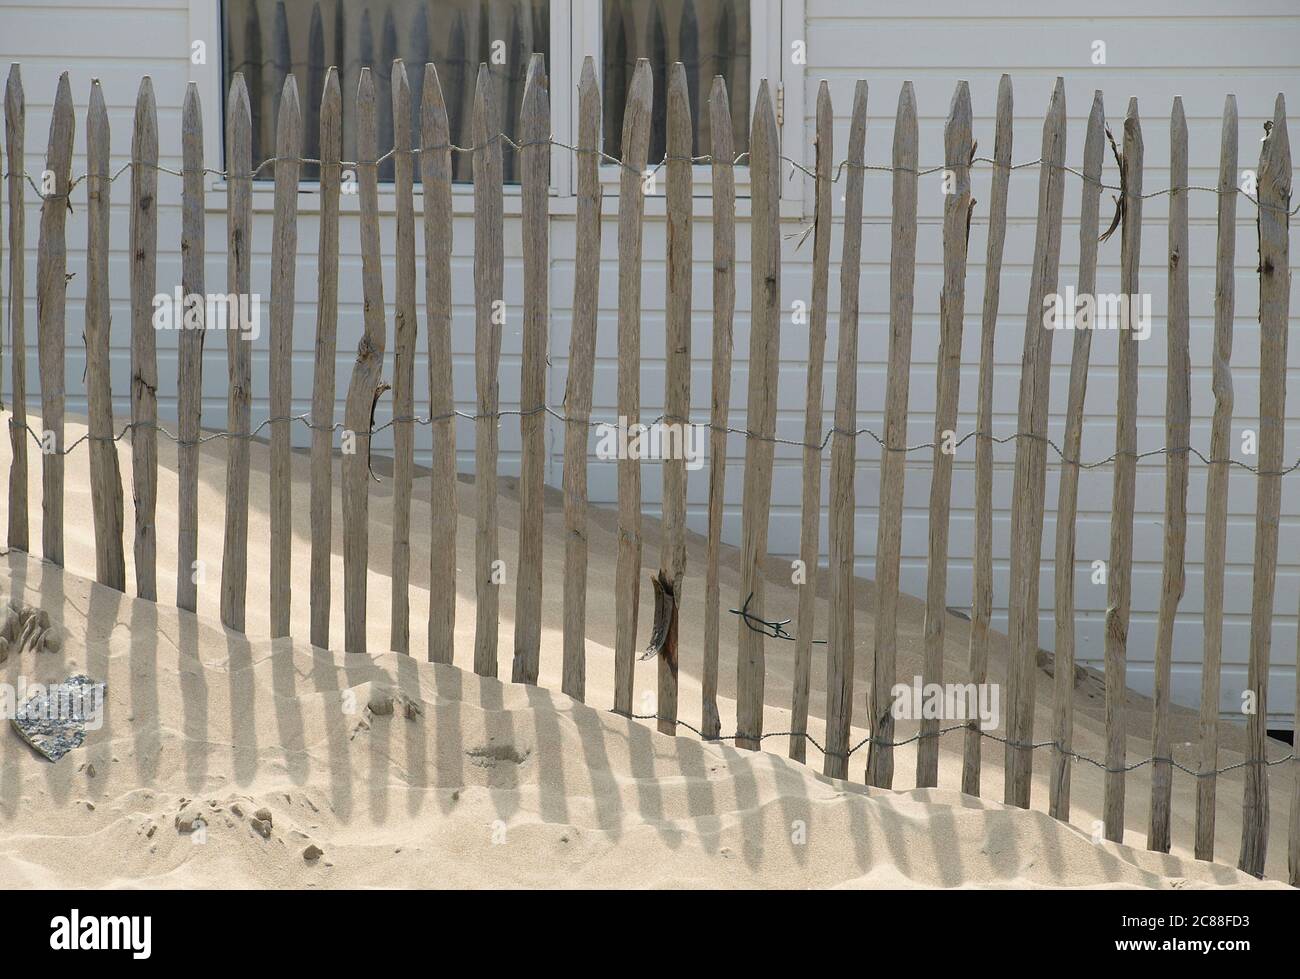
x: 205, y: 25
x: 768, y: 25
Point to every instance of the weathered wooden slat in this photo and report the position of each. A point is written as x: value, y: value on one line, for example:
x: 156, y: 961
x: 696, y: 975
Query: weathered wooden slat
x: 365, y: 386
x: 982, y: 587
x: 535, y: 175
x: 723, y: 151
x: 189, y: 368
x: 435, y: 175
x: 1274, y: 310
x: 105, y: 477
x: 323, y: 379
x: 957, y: 207
x: 631, y: 208
x: 902, y: 269
x: 144, y: 358
x: 239, y: 227
x: 284, y: 256
x: 1178, y: 433
x: 760, y: 413
x: 1067, y: 505
x: 677, y: 384
x: 1031, y: 457
x: 51, y: 317
x: 489, y: 275
x: 404, y: 340
x: 1216, y: 489
x: 578, y: 385
x: 15, y: 130
x: 1120, y: 568
x: 840, y: 645
x: 810, y: 517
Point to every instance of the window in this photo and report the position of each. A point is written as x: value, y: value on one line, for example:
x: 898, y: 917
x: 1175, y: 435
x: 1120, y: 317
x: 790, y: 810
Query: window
x: 709, y: 37
x: 270, y: 39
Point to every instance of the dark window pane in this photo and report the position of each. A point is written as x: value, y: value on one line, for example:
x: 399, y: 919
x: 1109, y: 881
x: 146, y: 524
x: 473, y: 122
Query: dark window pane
x: 269, y: 39
x: 709, y: 37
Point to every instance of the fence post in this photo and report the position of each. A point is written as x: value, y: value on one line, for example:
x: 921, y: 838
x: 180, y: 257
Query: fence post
x: 577, y: 390
x: 810, y: 516
x: 1274, y: 309
x: 722, y: 149
x: 1216, y: 489
x: 631, y: 208
x: 1178, y: 433
x: 902, y: 268
x: 51, y: 298
x: 760, y: 413
x: 365, y: 387
x: 840, y: 646
x: 982, y: 585
x: 1120, y: 568
x: 1094, y: 149
x: 15, y: 130
x: 144, y: 358
x: 489, y: 272
x: 404, y: 340
x: 284, y: 254
x: 435, y: 176
x: 105, y: 477
x: 1031, y: 457
x: 322, y: 400
x: 677, y: 398
x: 957, y: 207
x: 189, y: 372
x: 535, y: 175
x: 239, y: 224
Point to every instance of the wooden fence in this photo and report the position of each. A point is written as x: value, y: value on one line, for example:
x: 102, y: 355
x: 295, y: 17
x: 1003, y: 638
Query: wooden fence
x: 366, y: 385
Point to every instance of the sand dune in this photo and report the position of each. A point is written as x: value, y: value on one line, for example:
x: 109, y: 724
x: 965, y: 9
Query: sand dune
x: 403, y: 773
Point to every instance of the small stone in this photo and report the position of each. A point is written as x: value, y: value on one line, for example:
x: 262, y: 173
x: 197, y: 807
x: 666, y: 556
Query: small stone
x: 381, y: 705
x: 237, y: 809
x: 261, y: 827
x: 90, y: 806
x: 90, y: 771
x: 312, y: 853
x: 264, y: 815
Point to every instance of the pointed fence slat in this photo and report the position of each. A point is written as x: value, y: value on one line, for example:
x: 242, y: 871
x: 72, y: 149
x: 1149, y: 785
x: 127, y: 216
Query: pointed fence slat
x: 144, y: 358
x: 902, y: 273
x: 1216, y: 489
x: 1274, y: 312
x: 840, y: 645
x: 957, y: 207
x: 105, y: 477
x: 489, y: 275
x: 1028, y: 487
x: 284, y: 257
x: 365, y: 386
x: 51, y: 318
x: 631, y: 209
x: 724, y: 306
x: 578, y: 385
x: 323, y: 379
x: 982, y: 585
x: 760, y: 413
x: 810, y: 517
x: 239, y: 227
x: 677, y: 387
x: 435, y: 176
x: 16, y: 191
x: 1178, y: 433
x: 1120, y: 566
x: 535, y: 174
x: 1094, y: 149
x: 189, y: 368
x: 404, y: 340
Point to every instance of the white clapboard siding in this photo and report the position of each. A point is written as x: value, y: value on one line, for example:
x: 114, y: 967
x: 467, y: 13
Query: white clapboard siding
x: 1156, y: 49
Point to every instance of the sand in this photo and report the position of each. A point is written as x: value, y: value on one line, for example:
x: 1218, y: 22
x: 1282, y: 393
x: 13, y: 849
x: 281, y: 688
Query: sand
x: 403, y: 773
